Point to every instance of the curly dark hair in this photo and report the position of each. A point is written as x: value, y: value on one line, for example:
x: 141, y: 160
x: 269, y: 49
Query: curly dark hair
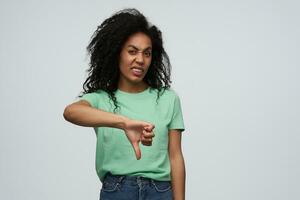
x: 105, y: 47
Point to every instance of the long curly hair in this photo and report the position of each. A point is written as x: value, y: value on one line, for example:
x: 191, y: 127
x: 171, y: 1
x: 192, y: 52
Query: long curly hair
x: 105, y: 47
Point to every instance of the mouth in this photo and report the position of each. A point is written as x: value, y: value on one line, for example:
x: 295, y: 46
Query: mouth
x: 137, y: 71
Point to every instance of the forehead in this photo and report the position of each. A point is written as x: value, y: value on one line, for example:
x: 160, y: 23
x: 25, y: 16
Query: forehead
x: 139, y: 40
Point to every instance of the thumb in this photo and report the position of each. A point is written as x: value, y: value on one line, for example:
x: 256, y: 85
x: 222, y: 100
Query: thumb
x: 137, y: 150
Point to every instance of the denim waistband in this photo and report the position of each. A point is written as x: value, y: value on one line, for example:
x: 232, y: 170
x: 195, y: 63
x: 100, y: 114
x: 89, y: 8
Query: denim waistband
x: 120, y: 178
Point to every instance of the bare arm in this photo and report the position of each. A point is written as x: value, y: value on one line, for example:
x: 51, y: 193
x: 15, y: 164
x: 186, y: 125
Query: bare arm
x: 177, y: 165
x: 83, y: 114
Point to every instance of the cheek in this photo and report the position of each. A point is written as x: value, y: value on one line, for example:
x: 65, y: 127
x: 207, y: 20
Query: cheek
x: 127, y: 61
x: 124, y: 62
x: 149, y: 62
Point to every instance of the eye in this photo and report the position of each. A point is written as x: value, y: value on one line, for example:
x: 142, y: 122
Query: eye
x: 132, y: 52
x: 148, y: 53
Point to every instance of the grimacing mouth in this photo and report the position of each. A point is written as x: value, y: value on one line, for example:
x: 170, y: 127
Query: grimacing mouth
x: 139, y: 68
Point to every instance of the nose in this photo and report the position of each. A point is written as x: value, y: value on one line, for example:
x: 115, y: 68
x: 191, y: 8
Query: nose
x: 139, y: 58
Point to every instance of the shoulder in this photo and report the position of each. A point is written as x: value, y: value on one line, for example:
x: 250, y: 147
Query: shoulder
x: 94, y: 96
x: 169, y: 93
x: 97, y: 93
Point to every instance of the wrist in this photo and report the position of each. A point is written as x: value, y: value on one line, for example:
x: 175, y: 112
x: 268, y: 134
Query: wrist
x: 122, y: 122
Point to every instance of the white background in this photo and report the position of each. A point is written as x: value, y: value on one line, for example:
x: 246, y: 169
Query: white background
x: 235, y: 67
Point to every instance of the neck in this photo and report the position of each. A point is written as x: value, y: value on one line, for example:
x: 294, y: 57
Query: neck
x: 132, y: 87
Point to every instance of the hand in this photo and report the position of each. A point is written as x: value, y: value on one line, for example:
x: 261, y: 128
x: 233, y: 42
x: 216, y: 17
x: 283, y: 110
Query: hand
x: 139, y: 131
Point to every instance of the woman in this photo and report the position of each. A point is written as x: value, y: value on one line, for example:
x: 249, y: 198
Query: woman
x: 136, y: 116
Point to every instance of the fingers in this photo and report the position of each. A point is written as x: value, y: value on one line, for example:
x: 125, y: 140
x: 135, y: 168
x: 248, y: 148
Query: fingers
x: 147, y: 134
x: 147, y: 143
x: 147, y: 138
x: 149, y: 127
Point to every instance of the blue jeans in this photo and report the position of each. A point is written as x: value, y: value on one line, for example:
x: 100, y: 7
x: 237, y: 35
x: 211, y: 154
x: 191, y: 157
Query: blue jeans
x: 120, y: 187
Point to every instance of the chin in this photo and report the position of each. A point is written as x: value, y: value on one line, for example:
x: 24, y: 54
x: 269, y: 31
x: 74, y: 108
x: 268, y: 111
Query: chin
x: 136, y: 79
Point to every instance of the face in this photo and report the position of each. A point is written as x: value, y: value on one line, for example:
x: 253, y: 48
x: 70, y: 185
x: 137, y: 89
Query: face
x: 135, y: 59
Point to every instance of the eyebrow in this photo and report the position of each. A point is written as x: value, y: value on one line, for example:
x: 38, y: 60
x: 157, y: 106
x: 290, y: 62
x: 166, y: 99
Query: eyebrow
x: 147, y: 48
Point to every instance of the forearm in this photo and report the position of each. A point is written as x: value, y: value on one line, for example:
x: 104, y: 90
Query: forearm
x: 92, y: 117
x: 178, y: 177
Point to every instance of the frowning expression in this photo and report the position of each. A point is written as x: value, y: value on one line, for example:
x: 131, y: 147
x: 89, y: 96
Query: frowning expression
x: 135, y: 58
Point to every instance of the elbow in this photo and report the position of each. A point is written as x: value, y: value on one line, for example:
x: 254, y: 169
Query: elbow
x: 68, y: 113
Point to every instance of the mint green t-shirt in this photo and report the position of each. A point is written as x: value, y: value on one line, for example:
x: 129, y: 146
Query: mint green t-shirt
x: 114, y: 152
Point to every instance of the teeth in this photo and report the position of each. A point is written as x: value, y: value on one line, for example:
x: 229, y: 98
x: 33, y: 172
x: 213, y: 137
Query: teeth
x: 137, y: 70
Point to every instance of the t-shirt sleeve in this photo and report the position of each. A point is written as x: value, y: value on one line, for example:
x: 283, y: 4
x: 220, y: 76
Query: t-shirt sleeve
x: 92, y: 98
x: 177, y: 118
